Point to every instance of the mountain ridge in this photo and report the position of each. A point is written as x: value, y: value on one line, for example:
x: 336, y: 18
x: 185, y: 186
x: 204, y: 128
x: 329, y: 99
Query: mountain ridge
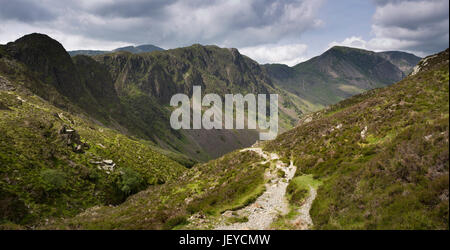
x: 341, y: 72
x: 144, y: 48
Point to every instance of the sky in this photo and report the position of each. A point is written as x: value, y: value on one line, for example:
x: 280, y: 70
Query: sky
x: 269, y: 31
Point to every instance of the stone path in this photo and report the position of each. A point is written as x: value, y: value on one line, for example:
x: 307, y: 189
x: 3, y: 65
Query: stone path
x: 272, y: 202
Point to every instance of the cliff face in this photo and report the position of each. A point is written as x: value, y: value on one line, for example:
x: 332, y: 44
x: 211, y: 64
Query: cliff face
x: 150, y: 80
x: 162, y: 74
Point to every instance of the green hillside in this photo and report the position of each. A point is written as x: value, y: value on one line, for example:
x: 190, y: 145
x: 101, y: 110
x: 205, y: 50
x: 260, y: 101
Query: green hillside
x: 229, y: 182
x: 383, y: 156
x: 54, y: 163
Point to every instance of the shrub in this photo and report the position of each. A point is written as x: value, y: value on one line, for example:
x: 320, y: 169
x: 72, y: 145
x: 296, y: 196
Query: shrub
x: 53, y: 179
x: 175, y: 221
x: 242, y: 219
x: 281, y: 173
x: 131, y: 181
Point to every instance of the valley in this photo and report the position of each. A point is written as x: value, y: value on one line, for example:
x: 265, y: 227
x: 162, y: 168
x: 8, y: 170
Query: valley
x: 86, y: 141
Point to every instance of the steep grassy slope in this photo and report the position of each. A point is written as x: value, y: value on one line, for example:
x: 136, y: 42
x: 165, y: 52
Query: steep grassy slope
x: 229, y: 182
x: 340, y: 73
x: 383, y: 156
x: 54, y: 163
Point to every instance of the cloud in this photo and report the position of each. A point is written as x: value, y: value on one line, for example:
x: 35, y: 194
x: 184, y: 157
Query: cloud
x: 354, y: 41
x: 420, y: 27
x: 69, y: 41
x: 169, y: 23
x: 291, y: 54
x: 24, y: 11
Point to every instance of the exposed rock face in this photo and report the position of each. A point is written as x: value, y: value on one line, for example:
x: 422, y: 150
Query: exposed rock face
x: 430, y: 62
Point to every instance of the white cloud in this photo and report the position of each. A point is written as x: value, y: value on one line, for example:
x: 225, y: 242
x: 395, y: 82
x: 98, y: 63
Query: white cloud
x: 419, y: 27
x: 291, y: 54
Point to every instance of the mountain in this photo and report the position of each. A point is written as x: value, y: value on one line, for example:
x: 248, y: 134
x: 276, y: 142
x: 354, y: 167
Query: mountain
x: 132, y: 49
x: 139, y: 49
x: 379, y: 160
x: 146, y: 80
x: 340, y: 73
x: 404, y: 61
x: 88, y: 52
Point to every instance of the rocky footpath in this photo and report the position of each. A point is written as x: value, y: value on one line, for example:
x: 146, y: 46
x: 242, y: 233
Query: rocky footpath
x: 260, y: 214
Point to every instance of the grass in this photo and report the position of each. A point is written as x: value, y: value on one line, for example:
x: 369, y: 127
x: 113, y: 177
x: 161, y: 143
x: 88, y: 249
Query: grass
x: 241, y: 219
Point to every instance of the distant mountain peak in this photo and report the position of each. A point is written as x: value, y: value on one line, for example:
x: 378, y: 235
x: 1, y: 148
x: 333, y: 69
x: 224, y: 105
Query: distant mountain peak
x: 132, y: 49
x: 140, y: 49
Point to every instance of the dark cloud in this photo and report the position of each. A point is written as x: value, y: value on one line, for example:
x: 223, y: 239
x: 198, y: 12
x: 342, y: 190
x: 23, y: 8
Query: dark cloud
x: 173, y: 22
x: 398, y: 24
x: 133, y: 8
x: 25, y: 11
x: 414, y: 25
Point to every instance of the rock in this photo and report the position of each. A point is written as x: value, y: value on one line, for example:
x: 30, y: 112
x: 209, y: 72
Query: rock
x: 109, y: 162
x: 188, y: 200
x: 364, y: 132
x: 256, y: 205
x: 5, y: 85
x: 78, y: 148
x: 228, y: 214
